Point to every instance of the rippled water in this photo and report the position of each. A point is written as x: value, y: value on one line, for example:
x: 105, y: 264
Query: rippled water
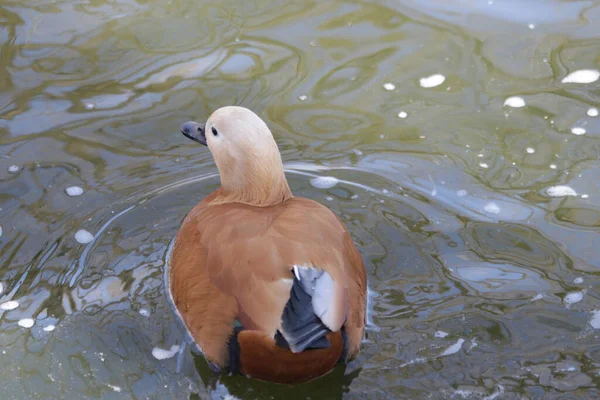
x: 478, y: 220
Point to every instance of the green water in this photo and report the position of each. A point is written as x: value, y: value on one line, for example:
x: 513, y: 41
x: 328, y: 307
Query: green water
x: 483, y: 286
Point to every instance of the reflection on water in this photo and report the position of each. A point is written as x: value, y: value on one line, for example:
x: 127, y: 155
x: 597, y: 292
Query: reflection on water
x: 458, y: 142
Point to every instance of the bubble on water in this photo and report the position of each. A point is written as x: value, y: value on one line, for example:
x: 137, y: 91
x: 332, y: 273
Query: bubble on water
x: 302, y: 97
x: 560, y: 191
x: 402, y: 114
x: 530, y: 150
x: 578, y: 130
x: 90, y: 106
x: 515, y: 102
x: 492, y: 208
x: 441, y: 334
x: 144, y: 313
x: 578, y: 280
x: 483, y: 165
x: 552, y: 166
x: 531, y: 26
x: 432, y: 81
x: 585, y: 196
x: 49, y: 328
x: 9, y: 305
x: 115, y: 388
x: 573, y: 297
x: 13, y: 169
x: 324, y: 182
x: 461, y: 193
x: 82, y: 236
x: 595, y: 321
x: 354, y: 197
x: 26, y: 322
x: 163, y: 354
x: 74, y: 191
x: 592, y: 112
x: 582, y: 76
x: 537, y: 297
x: 455, y: 348
x: 328, y: 198
x: 357, y: 152
x: 389, y: 86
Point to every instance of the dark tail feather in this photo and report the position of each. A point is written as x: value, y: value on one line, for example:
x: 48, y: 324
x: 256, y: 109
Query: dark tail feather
x: 301, y: 329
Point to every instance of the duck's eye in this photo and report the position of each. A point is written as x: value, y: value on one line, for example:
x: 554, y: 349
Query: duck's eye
x: 199, y: 129
x: 214, y: 131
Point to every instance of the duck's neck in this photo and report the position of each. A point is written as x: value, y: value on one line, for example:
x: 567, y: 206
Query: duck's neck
x: 262, y: 184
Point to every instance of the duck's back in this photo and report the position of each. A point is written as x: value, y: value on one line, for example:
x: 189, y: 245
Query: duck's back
x: 234, y: 261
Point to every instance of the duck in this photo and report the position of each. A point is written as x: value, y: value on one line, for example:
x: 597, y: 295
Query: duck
x: 269, y: 285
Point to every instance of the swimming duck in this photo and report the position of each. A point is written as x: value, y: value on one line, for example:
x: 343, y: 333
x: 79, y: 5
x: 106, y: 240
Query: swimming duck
x: 284, y: 269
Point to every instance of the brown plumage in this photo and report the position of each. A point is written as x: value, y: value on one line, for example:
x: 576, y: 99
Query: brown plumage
x: 284, y: 267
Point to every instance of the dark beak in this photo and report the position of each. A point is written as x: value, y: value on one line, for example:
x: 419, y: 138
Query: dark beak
x: 195, y: 131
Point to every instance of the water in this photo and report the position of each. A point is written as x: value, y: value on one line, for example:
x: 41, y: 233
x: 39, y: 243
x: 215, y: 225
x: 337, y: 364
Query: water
x: 450, y: 211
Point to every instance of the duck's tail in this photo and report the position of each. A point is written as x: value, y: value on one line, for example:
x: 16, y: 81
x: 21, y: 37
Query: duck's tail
x: 256, y: 355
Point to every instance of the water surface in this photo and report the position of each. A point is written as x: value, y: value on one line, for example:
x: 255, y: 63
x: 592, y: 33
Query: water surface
x: 483, y: 283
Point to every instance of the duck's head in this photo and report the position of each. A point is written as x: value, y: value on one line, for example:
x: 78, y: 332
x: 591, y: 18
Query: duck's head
x: 246, y: 155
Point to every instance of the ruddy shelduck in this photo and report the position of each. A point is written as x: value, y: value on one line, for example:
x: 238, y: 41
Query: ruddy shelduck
x: 268, y: 285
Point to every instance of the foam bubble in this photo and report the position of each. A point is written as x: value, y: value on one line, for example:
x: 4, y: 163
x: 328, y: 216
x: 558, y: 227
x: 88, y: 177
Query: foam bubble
x: 492, y: 208
x: 324, y: 182
x: 13, y: 169
x: 515, y: 102
x: 82, y: 236
x: 9, y: 305
x: 26, y: 322
x: 163, y: 354
x: 357, y: 152
x: 328, y: 198
x: 578, y: 131
x: 585, y: 196
x: 578, y: 280
x: 573, y: 297
x: 441, y: 334
x: 530, y: 150
x: 49, y: 328
x: 582, y: 76
x: 455, y: 348
x: 592, y: 112
x: 143, y: 312
x: 483, y: 165
x: 552, y: 166
x: 115, y: 388
x: 560, y: 191
x: 74, y: 191
x: 432, y: 81
x: 402, y: 114
x: 595, y: 321
x: 537, y: 297
x: 302, y: 97
x: 389, y: 86
x: 90, y: 106
x: 531, y: 26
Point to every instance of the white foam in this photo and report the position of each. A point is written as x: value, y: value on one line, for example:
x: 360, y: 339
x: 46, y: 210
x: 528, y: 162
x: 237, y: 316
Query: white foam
x: 492, y: 208
x: 441, y: 334
x: 1, y: 287
x: 578, y: 280
x: 577, y: 130
x: 461, y: 193
x: 328, y: 198
x: 592, y: 112
x: 1, y: 231
x: 582, y: 76
x: 389, y: 86
x: 530, y: 150
x: 82, y: 236
x: 552, y: 166
x: 9, y: 305
x: 531, y: 26
x: 595, y: 321
x: 143, y: 312
x: 560, y: 191
x: 585, y: 196
x: 324, y: 182
x: 90, y: 106
x: 26, y: 322
x: 455, y: 348
x: 573, y: 297
x: 115, y: 388
x: 13, y: 169
x: 515, y: 102
x: 162, y: 354
x: 402, y: 114
x: 357, y: 152
x: 302, y: 97
x: 483, y: 165
x: 537, y: 297
x: 49, y: 328
x: 432, y: 81
x: 74, y: 191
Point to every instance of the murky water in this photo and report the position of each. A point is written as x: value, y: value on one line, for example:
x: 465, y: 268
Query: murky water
x: 467, y: 173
